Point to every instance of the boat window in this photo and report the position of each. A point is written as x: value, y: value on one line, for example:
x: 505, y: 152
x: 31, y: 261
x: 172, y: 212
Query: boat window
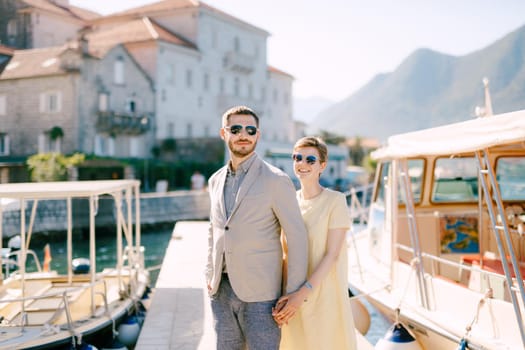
x: 455, y: 180
x: 415, y: 171
x: 383, y: 176
x: 510, y: 172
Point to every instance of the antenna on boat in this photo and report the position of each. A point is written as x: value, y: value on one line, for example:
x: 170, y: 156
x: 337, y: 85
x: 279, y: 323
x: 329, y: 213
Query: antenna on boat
x: 485, y: 111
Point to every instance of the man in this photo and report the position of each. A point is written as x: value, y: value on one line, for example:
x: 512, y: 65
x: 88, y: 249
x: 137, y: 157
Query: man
x: 251, y: 202
x: 197, y: 181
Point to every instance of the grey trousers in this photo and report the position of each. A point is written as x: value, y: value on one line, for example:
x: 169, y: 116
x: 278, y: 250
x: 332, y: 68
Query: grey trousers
x: 241, y: 325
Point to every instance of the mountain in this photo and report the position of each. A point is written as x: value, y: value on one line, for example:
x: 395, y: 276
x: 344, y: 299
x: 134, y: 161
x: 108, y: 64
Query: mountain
x: 429, y: 89
x: 305, y: 109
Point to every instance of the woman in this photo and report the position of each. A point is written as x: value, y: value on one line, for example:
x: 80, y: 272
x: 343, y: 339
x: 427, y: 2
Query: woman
x: 318, y: 315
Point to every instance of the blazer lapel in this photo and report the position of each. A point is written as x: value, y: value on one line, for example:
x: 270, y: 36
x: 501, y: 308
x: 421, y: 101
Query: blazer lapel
x: 248, y: 181
x: 221, y: 180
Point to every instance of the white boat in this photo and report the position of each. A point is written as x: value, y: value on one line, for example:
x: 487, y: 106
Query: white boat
x: 444, y: 248
x: 45, y: 310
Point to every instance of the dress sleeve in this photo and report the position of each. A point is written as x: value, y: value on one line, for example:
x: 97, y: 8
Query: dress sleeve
x: 339, y: 214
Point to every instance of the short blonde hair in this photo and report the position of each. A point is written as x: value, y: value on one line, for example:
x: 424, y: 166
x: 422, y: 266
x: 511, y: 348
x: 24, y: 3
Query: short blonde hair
x: 316, y: 142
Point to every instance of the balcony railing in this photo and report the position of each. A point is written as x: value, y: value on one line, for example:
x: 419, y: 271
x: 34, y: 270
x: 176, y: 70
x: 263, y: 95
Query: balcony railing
x: 123, y: 124
x: 239, y: 62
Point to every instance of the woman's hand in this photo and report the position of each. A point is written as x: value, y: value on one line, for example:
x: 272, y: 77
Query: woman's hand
x: 288, y: 305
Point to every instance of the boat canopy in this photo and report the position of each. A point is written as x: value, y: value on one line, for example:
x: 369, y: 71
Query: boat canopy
x: 462, y: 137
x: 61, y: 190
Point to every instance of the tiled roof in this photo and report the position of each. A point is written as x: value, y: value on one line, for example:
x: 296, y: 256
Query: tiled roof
x: 137, y: 30
x: 71, y: 11
x: 170, y: 5
x: 278, y: 71
x: 34, y: 62
x: 164, y: 5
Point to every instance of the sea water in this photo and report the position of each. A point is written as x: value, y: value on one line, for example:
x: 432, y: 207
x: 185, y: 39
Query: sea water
x: 155, y: 243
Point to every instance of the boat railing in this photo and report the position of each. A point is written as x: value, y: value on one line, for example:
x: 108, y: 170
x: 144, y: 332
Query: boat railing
x: 484, y: 274
x: 67, y: 296
x: 358, y: 201
x: 12, y: 264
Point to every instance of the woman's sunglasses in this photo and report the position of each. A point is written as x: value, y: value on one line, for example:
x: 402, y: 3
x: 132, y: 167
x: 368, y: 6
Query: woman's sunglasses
x: 299, y: 157
x: 236, y: 129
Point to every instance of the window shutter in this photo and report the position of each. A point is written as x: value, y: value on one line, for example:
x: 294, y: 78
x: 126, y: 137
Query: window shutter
x: 43, y: 101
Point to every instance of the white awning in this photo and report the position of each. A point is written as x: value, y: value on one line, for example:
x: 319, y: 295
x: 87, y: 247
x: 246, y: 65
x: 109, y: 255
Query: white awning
x: 467, y: 136
x: 65, y: 189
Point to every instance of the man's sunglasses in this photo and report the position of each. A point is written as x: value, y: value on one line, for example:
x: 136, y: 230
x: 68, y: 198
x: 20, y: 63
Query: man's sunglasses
x: 236, y: 129
x: 299, y: 157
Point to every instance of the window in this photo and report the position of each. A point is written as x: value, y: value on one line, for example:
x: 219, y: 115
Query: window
x: 3, y: 105
x: 189, y: 78
x: 206, y: 82
x: 171, y: 74
x: 4, y: 144
x: 263, y: 94
x: 455, y: 180
x: 510, y: 172
x: 134, y: 147
x: 214, y: 38
x: 118, y: 72
x: 51, y: 102
x: 236, y: 87
x: 236, y: 44
x: 171, y: 130
x: 275, y: 95
x: 221, y: 85
x: 11, y: 28
x: 189, y: 130
x: 415, y: 172
x: 131, y: 105
x: 103, y: 101
x: 104, y: 145
x: 250, y: 90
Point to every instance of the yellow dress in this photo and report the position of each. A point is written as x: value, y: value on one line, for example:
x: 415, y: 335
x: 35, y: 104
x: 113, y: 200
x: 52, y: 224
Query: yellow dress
x: 325, y: 321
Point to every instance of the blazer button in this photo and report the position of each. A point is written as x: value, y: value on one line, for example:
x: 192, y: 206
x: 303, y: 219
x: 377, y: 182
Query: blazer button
x: 226, y: 228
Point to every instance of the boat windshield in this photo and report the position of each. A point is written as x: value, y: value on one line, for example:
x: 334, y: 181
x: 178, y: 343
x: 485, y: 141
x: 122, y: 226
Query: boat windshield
x: 510, y: 172
x: 415, y: 171
x: 455, y: 180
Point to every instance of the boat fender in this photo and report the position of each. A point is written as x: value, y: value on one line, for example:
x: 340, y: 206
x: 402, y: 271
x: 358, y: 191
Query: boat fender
x: 463, y: 344
x: 128, y: 331
x: 80, y: 265
x: 361, y: 316
x: 115, y: 345
x: 85, y: 346
x: 398, y: 338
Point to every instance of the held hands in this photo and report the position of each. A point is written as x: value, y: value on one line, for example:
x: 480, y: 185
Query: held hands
x: 287, y: 305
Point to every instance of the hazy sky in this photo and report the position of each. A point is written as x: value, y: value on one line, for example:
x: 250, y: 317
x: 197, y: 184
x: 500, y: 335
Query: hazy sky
x: 334, y: 47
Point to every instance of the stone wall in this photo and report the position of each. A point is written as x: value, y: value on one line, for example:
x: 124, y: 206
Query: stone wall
x: 155, y: 208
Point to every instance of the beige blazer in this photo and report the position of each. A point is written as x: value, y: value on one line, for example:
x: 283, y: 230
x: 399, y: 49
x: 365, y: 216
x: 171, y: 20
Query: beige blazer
x: 250, y: 238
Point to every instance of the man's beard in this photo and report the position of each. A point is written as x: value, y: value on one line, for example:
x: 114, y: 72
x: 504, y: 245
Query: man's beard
x: 241, y: 152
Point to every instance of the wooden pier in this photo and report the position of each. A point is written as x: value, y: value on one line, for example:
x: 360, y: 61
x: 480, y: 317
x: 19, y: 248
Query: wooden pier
x: 179, y: 316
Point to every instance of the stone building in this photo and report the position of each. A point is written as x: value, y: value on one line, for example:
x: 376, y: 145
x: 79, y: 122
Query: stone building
x: 193, y: 60
x: 65, y: 99
x: 28, y: 24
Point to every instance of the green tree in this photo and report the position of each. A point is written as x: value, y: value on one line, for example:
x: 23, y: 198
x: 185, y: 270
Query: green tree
x: 331, y: 138
x: 52, y: 166
x: 357, y: 153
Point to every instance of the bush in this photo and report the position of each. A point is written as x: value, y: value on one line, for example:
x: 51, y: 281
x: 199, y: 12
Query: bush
x: 52, y: 166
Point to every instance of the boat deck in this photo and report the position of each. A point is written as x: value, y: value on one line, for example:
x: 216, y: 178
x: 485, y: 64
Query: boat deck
x: 179, y: 316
